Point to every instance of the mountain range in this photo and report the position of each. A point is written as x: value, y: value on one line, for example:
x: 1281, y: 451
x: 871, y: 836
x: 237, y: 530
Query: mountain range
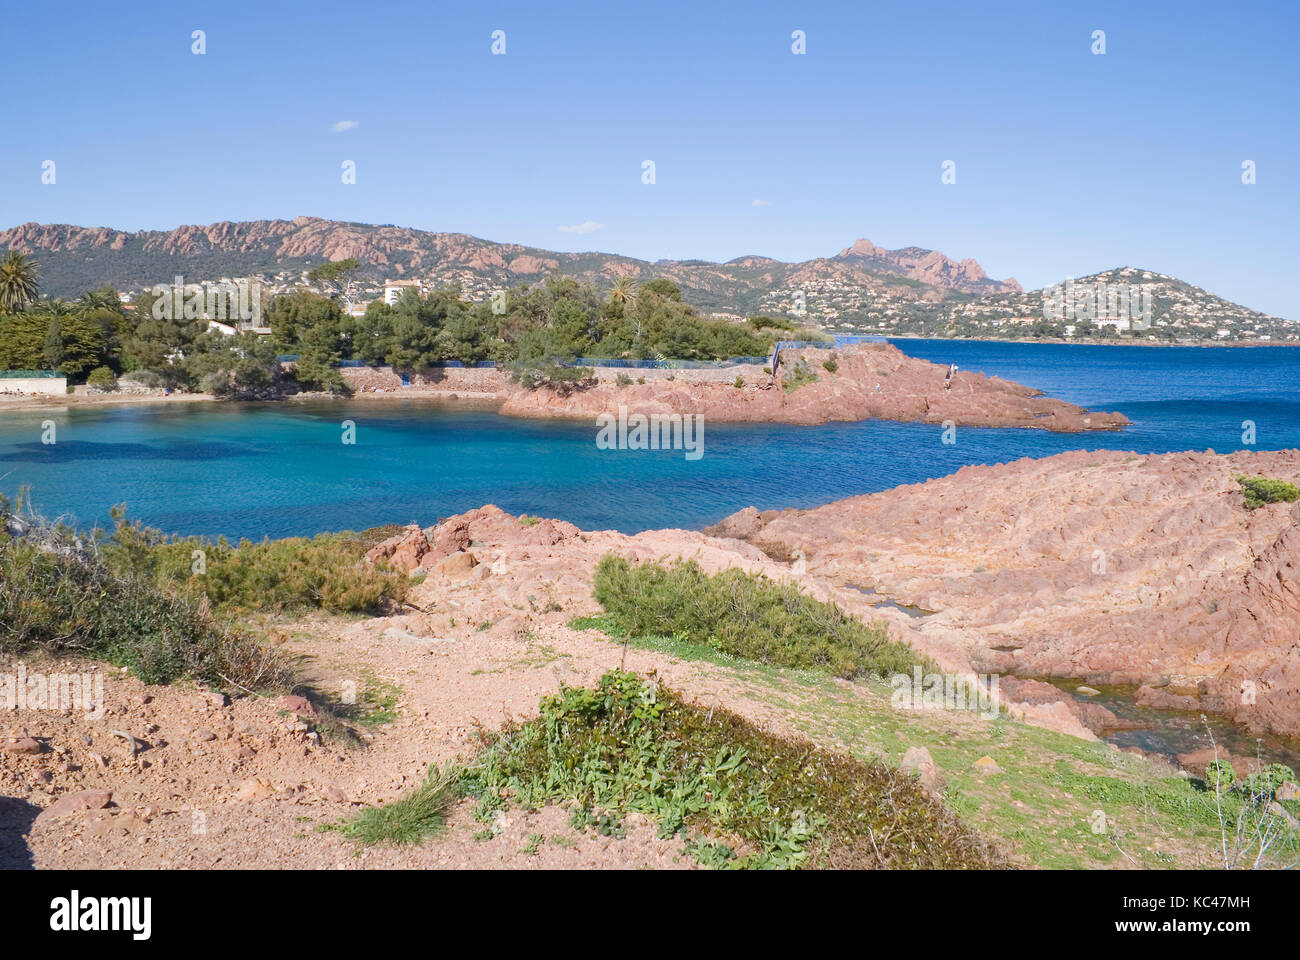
x: 76, y: 258
x: 863, y: 284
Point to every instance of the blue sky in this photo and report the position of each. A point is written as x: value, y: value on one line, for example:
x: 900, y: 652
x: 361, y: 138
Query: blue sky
x: 1066, y: 162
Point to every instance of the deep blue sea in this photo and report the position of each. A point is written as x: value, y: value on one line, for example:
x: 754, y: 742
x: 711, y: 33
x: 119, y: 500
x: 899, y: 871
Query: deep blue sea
x: 276, y: 470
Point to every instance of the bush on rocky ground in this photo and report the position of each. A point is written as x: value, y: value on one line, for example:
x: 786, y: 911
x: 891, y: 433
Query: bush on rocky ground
x: 745, y: 615
x: 739, y: 796
x: 1261, y: 490
x: 59, y: 596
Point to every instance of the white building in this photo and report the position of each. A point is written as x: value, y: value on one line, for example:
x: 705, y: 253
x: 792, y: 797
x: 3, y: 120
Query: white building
x: 393, y: 289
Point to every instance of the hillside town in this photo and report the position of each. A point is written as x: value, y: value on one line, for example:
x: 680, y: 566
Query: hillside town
x: 1180, y: 312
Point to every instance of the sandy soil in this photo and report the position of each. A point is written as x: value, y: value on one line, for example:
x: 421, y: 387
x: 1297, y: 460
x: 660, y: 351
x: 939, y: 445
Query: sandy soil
x: 248, y: 783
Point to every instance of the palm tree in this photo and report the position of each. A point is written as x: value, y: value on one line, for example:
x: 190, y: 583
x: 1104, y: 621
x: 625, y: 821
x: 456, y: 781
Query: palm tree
x: 105, y: 298
x: 624, y: 293
x: 56, y: 309
x: 18, y: 286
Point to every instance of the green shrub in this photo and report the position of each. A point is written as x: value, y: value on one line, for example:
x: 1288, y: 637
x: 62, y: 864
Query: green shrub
x: 741, y: 797
x: 60, y: 598
x: 623, y: 380
x: 1219, y: 774
x: 798, y: 376
x: 830, y: 365
x: 327, y: 571
x: 103, y: 378
x: 1262, y: 490
x: 745, y: 615
x: 738, y: 382
x: 1265, y: 782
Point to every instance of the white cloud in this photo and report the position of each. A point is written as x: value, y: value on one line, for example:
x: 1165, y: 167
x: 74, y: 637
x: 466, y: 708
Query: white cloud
x: 343, y: 125
x: 588, y: 226
x: 762, y: 203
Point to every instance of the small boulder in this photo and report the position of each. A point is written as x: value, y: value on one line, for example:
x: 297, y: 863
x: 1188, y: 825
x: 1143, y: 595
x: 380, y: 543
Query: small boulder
x: 75, y: 803
x: 457, y: 566
x: 254, y: 788
x: 26, y: 745
x: 917, y: 760
x: 1278, y: 810
x: 452, y: 536
x: 987, y: 765
x: 300, y: 706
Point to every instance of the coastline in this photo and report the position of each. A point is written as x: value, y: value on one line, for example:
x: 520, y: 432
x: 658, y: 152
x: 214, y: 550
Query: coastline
x: 1094, y: 342
x: 38, y: 401
x: 500, y: 397
x: 976, y: 599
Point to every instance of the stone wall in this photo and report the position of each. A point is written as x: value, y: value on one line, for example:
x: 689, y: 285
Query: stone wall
x: 383, y: 379
x: 53, y: 386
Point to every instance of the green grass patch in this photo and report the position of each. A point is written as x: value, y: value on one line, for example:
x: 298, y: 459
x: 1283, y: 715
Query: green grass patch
x: 420, y: 814
x: 376, y: 701
x: 744, y: 615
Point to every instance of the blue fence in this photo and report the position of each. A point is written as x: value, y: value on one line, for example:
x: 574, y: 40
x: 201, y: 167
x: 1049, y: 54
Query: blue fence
x: 836, y: 342
x: 849, y: 339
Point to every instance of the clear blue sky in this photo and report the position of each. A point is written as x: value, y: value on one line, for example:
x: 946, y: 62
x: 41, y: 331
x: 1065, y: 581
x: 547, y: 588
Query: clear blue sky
x: 1066, y: 162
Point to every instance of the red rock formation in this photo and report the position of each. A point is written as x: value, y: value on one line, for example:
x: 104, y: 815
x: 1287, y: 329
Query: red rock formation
x: 876, y: 381
x: 928, y: 266
x: 416, y: 548
x: 1107, y: 566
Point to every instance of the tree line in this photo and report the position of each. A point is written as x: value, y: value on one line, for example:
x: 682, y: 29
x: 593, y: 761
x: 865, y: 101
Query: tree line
x: 534, y: 332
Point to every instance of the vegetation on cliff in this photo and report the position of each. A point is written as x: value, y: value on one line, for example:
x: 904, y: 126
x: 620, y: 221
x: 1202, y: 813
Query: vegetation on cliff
x: 325, y: 572
x: 1261, y: 490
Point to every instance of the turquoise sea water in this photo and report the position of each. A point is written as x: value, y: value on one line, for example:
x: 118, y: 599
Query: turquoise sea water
x: 281, y: 469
